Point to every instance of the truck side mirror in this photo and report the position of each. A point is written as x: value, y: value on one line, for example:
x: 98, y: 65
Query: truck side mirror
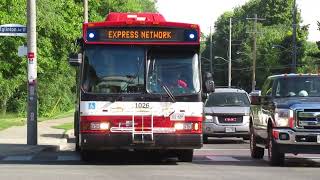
x: 210, y: 86
x: 75, y: 59
x: 255, y: 97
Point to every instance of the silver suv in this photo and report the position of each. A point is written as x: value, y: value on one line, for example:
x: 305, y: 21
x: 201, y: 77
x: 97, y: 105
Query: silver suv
x: 227, y: 114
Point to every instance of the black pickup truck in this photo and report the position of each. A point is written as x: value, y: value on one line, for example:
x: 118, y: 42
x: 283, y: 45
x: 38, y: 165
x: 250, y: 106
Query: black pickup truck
x: 285, y: 117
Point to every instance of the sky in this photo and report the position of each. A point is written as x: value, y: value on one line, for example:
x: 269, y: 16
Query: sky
x: 206, y: 12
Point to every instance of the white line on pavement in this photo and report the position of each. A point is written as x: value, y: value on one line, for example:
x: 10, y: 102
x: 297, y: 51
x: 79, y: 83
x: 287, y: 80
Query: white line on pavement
x: 222, y: 149
x: 69, y: 158
x: 17, y: 158
x: 222, y: 158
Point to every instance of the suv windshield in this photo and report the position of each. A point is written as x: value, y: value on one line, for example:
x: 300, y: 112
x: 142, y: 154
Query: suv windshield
x: 298, y: 86
x: 113, y: 69
x: 227, y: 99
x: 178, y: 71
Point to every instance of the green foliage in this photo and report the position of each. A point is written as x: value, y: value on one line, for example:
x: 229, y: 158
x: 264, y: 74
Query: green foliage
x: 65, y: 126
x: 59, y: 23
x: 275, y: 29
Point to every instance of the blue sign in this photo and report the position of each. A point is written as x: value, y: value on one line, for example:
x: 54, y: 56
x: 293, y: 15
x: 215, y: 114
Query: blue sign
x: 13, y: 30
x: 92, y: 105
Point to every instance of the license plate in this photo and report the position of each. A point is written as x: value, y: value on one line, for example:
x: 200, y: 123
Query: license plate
x: 230, y: 129
x: 177, y: 117
x: 318, y: 138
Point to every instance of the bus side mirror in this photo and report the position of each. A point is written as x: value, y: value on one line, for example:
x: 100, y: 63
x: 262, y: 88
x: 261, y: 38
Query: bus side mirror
x: 75, y: 59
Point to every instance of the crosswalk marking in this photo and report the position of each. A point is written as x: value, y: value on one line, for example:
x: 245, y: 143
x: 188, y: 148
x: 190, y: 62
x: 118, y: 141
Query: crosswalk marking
x: 222, y: 158
x: 69, y: 158
x: 17, y: 158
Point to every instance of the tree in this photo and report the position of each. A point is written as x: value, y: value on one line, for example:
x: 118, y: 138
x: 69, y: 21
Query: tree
x: 58, y: 25
x: 274, y: 30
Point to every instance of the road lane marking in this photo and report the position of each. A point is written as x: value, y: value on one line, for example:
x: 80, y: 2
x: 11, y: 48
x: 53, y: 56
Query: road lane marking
x: 17, y: 158
x: 222, y: 158
x: 222, y: 149
x: 69, y: 158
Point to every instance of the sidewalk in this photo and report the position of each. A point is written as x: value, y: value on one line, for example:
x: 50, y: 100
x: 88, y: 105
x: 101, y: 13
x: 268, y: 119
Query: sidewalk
x: 13, y: 141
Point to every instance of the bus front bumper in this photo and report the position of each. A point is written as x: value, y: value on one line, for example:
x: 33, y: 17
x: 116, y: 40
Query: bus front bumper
x: 125, y: 141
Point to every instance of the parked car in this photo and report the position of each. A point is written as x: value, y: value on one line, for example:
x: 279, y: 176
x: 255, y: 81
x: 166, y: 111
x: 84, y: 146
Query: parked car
x: 226, y: 114
x: 285, y: 118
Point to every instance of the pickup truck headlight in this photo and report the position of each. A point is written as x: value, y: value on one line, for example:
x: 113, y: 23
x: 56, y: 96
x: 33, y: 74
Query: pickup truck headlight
x: 284, y: 118
x: 208, y: 119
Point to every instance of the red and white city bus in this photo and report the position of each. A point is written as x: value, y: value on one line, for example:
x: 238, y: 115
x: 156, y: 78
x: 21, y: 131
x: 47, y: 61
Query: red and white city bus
x: 139, y: 86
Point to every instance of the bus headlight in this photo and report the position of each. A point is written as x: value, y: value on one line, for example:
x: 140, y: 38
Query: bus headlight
x: 183, y: 126
x: 99, y: 126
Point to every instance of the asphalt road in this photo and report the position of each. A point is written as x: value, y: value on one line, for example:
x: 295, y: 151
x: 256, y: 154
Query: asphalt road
x: 220, y: 159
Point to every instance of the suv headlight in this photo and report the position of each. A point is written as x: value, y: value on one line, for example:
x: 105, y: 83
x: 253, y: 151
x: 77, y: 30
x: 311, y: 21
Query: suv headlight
x: 208, y: 119
x: 284, y: 118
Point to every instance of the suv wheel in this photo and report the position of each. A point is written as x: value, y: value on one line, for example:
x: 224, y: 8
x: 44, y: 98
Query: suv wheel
x: 275, y: 157
x: 256, y: 152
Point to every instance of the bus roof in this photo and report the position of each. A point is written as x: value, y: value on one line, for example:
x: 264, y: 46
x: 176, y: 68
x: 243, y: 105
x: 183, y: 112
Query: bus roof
x: 121, y: 29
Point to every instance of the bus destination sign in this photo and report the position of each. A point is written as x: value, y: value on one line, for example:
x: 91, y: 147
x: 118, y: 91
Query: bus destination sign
x: 141, y: 35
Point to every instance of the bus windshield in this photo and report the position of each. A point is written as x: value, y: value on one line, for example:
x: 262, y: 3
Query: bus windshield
x: 113, y: 69
x: 176, y: 70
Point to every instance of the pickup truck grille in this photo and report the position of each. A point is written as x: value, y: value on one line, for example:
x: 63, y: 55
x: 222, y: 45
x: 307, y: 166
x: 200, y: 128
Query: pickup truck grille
x: 308, y: 119
x: 232, y: 119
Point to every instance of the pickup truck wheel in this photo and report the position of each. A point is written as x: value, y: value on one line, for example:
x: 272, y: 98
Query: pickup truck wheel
x: 185, y: 155
x: 256, y: 152
x: 275, y: 157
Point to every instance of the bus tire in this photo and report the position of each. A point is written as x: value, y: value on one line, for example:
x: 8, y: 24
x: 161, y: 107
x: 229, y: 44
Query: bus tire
x: 185, y: 155
x: 86, y: 155
x: 76, y: 132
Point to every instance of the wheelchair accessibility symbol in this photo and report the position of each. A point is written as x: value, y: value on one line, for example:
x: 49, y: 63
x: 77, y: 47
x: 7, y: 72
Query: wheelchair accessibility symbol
x: 92, y: 105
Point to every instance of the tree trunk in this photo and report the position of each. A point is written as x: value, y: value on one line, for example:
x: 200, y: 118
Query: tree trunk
x: 4, y: 107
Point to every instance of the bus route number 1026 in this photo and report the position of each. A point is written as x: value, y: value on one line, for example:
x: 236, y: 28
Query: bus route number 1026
x: 143, y: 105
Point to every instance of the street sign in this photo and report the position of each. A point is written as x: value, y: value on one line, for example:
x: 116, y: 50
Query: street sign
x: 13, y: 30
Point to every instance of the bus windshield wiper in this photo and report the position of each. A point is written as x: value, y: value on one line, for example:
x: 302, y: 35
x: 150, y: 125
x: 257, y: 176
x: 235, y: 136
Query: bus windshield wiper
x: 167, y: 90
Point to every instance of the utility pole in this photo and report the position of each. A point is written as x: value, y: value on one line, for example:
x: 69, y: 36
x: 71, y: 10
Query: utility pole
x: 211, y: 70
x: 230, y: 40
x: 85, y: 11
x: 294, y: 37
x: 254, y: 53
x: 32, y: 129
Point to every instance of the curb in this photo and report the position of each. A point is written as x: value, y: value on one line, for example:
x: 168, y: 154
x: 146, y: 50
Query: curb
x: 69, y: 136
x: 24, y: 149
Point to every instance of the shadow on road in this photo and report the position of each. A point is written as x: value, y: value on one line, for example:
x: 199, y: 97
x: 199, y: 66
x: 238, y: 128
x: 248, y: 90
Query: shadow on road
x: 225, y: 141
x: 58, y: 136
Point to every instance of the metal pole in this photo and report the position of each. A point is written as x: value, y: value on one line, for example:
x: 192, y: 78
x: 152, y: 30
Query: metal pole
x: 254, y: 56
x: 229, y: 69
x: 211, y: 69
x: 294, y: 37
x: 85, y: 11
x: 32, y: 134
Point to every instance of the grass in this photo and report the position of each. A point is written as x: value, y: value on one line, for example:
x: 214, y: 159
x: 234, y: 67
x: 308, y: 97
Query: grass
x: 65, y: 127
x: 11, y: 119
x: 58, y: 116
